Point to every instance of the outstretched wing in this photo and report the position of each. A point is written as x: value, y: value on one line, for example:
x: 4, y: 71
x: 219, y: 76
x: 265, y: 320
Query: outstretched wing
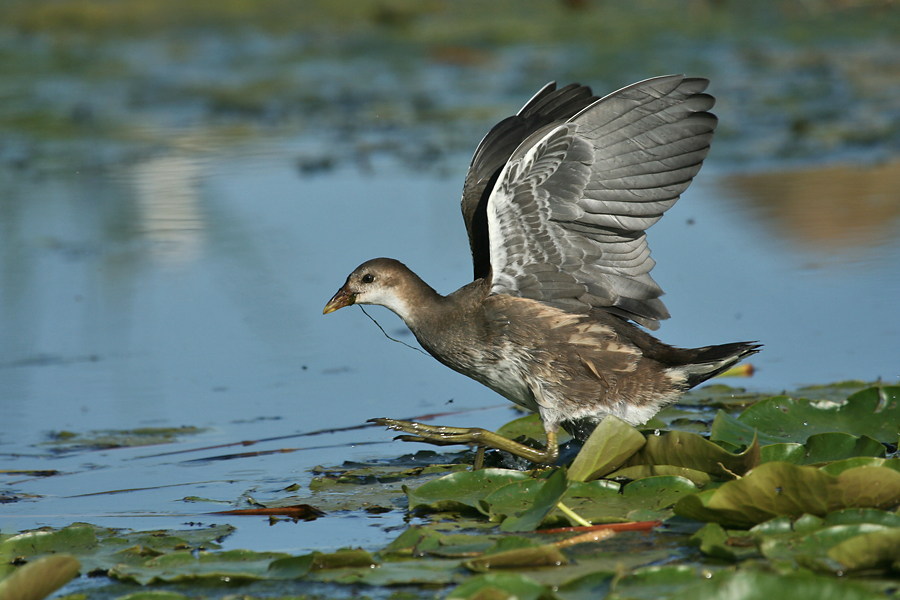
x: 567, y: 214
x: 547, y: 106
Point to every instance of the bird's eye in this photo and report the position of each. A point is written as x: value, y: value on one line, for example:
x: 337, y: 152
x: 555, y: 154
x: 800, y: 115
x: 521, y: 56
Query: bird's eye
x: 368, y: 278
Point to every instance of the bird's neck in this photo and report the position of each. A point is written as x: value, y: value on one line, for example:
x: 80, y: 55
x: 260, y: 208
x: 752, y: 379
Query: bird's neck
x: 437, y: 319
x: 417, y: 303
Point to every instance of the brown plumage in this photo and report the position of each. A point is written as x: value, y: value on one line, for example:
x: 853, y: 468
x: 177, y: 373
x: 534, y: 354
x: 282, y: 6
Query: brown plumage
x: 556, y: 202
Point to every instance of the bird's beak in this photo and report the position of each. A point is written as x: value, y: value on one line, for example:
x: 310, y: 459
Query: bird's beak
x: 340, y: 300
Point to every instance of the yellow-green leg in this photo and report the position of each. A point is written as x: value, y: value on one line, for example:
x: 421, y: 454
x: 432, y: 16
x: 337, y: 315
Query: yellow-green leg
x: 471, y: 436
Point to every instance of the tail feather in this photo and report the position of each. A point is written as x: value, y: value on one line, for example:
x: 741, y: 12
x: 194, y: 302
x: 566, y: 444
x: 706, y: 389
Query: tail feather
x: 709, y: 361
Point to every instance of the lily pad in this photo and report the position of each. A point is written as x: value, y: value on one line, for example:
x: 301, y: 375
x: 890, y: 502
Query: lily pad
x: 755, y: 585
x: 372, y: 486
x: 870, y: 550
x: 824, y: 447
x: 645, y: 499
x: 39, y: 579
x: 714, y: 541
x: 698, y: 478
x: 293, y: 567
x: 518, y: 558
x: 777, y: 488
x: 501, y: 585
x: 530, y: 426
x: 101, y: 548
x: 874, y: 412
x: 610, y: 445
x: 460, y: 491
x: 547, y: 497
x: 665, y: 581
x: 691, y: 451
x: 233, y: 566
x: 67, y: 441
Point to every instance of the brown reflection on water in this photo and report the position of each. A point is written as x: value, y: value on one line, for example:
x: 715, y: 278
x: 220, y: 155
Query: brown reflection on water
x: 830, y: 208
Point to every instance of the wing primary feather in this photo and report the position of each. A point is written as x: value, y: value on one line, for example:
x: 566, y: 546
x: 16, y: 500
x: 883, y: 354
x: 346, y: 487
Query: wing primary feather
x: 566, y: 210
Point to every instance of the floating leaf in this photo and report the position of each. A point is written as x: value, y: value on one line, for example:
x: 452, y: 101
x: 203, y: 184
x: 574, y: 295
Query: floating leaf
x: 811, y: 550
x: 233, y: 566
x: 67, y: 441
x: 547, y: 497
x: 530, y: 426
x: 519, y: 558
x: 78, y: 538
x: 642, y: 500
x: 294, y: 567
x: 839, y: 466
x: 460, y: 491
x: 776, y: 489
x: 414, y: 541
x: 698, y: 478
x: 691, y: 451
x: 37, y: 580
x: 655, y: 582
x: 875, y: 549
x: 755, y: 585
x: 874, y: 412
x: 824, y: 447
x: 712, y: 540
x: 429, y: 572
x: 611, y: 444
x: 501, y: 585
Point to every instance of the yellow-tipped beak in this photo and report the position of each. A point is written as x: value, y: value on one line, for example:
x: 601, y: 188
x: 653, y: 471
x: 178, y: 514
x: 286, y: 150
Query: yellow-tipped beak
x: 340, y: 300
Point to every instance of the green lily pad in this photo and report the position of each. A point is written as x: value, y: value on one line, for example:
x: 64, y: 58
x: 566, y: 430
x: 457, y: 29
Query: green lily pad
x: 698, y: 478
x: 431, y: 572
x: 824, y: 447
x: 839, y: 466
x: 293, y: 567
x: 547, y: 497
x: 776, y: 489
x: 530, y: 426
x: 869, y: 550
x: 844, y: 541
x: 415, y: 541
x: 519, y: 558
x: 460, y: 491
x: 38, y: 579
x: 755, y: 585
x: 645, y: 499
x: 714, y: 541
x: 719, y: 395
x: 67, y: 441
x: 691, y: 451
x: 665, y: 581
x: 100, y: 548
x: 233, y: 566
x: 501, y: 585
x: 610, y: 445
x: 874, y: 412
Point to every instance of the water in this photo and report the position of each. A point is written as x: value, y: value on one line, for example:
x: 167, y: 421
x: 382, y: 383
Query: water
x: 189, y: 290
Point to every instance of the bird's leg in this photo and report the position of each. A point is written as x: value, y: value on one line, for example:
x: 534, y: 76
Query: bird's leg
x: 472, y: 436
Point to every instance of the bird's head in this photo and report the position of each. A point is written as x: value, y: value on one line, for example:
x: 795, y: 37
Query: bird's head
x: 381, y: 281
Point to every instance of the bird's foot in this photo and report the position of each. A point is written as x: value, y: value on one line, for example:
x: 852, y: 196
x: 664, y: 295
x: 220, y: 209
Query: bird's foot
x: 471, y: 436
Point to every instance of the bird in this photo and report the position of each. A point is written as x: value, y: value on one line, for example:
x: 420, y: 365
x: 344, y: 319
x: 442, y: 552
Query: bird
x: 556, y: 203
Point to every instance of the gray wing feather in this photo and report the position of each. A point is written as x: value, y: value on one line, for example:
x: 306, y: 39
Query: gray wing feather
x: 549, y: 105
x: 567, y: 215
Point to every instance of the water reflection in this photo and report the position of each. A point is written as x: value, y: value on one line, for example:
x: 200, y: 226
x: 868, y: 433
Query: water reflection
x: 828, y: 209
x: 170, y: 218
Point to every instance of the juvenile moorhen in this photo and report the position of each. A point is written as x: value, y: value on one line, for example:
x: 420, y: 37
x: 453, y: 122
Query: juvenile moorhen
x: 556, y: 202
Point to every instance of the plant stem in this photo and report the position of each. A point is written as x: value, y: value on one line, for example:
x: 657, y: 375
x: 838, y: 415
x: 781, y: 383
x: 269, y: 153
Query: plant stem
x: 573, y: 515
